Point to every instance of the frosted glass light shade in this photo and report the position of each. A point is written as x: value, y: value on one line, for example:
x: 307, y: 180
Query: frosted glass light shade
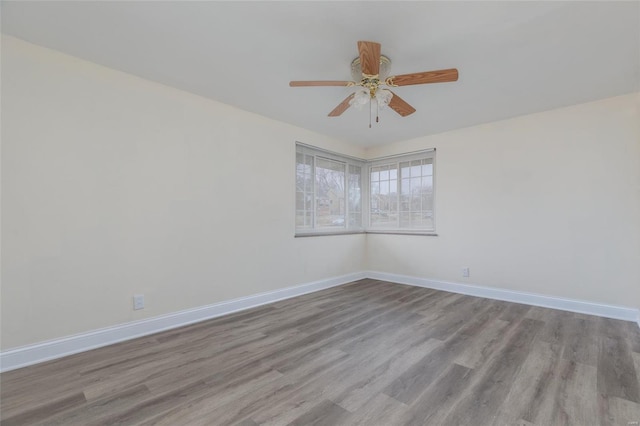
x: 383, y: 97
x: 360, y: 98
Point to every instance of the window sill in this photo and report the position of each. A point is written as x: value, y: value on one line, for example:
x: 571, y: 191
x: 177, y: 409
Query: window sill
x: 401, y: 232
x: 321, y: 234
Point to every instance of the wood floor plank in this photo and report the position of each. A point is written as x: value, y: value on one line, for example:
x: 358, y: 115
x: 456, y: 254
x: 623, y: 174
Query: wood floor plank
x: 220, y: 365
x: 381, y: 410
x: 369, y: 352
x: 97, y: 411
x: 458, y: 315
x: 556, y: 328
x: 575, y: 395
x: 18, y: 397
x: 247, y: 422
x: 355, y: 396
x: 362, y: 373
x: 486, y: 397
x: 196, y: 408
x: 407, y: 387
x: 326, y: 413
x: 287, y: 398
x: 623, y: 412
x: 483, y: 344
x: 616, y: 370
x: 435, y: 404
x: 381, y: 326
x: 581, y: 344
x: 533, y: 393
x: 514, y: 312
x: 45, y: 410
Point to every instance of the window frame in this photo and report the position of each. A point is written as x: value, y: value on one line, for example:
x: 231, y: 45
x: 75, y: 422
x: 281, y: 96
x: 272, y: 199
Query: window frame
x: 397, y: 160
x: 348, y: 161
x: 365, y: 192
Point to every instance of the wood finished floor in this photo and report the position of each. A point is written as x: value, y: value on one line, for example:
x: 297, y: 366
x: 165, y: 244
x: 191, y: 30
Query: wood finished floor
x: 369, y: 352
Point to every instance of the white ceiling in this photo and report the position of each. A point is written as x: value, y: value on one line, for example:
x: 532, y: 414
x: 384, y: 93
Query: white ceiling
x: 513, y: 57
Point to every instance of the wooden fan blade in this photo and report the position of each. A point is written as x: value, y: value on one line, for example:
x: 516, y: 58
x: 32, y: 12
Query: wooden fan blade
x: 400, y: 106
x: 342, y: 107
x: 439, y: 76
x: 369, y: 57
x: 319, y: 83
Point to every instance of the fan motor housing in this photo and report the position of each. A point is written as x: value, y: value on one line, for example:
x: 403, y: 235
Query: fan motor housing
x: 385, y: 67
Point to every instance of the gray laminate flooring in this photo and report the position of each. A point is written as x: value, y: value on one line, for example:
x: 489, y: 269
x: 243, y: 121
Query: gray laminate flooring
x: 367, y: 353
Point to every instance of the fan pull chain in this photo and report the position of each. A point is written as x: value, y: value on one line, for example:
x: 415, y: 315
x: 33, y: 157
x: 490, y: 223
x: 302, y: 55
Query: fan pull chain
x: 377, y: 112
x: 370, y: 112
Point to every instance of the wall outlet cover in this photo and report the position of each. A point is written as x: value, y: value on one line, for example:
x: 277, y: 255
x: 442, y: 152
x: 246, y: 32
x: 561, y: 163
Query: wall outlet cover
x: 138, y: 301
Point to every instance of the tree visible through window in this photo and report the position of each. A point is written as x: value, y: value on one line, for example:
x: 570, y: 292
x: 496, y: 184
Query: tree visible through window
x: 329, y: 195
x: 401, y: 193
x: 416, y: 194
x: 328, y: 192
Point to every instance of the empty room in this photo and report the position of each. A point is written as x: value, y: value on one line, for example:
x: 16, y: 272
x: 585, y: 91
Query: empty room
x: 320, y: 213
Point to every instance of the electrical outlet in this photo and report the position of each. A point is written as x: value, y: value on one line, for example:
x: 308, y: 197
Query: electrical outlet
x: 465, y: 272
x: 138, y: 301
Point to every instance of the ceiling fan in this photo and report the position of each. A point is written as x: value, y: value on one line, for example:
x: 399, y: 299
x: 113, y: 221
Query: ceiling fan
x: 370, y: 71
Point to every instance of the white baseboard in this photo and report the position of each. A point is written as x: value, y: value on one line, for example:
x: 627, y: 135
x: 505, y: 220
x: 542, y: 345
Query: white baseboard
x: 571, y: 305
x: 57, y: 348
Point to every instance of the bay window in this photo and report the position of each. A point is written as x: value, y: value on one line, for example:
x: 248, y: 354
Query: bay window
x: 341, y: 194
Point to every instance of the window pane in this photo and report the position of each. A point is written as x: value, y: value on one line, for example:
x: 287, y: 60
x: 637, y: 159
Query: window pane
x: 405, y: 170
x: 299, y: 200
x: 427, y: 193
x: 427, y: 223
x: 407, y: 204
x: 328, y: 190
x: 354, y: 193
x: 380, y: 218
x: 300, y: 218
x: 416, y: 219
x: 416, y: 202
x: 304, y: 191
x: 405, y: 188
x: 384, y: 187
x: 416, y: 184
x: 405, y: 220
x: 393, y: 186
x: 375, y: 187
x: 355, y: 220
x: 330, y: 193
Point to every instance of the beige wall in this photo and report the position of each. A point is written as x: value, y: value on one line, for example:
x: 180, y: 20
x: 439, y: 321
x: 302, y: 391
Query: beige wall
x: 113, y: 185
x: 547, y: 203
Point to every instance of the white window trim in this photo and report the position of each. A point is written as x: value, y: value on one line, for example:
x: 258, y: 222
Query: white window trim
x: 397, y: 159
x: 365, y: 191
x: 347, y: 161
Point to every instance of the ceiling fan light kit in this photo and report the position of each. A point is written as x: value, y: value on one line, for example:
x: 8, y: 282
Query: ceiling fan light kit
x: 371, y: 73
